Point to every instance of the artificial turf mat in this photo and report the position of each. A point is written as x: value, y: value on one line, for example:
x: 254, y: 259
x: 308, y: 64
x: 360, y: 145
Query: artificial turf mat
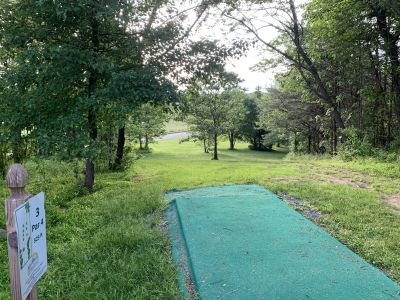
x: 244, y: 242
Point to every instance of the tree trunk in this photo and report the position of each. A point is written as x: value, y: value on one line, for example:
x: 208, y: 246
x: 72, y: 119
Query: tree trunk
x: 146, y: 141
x: 389, y: 125
x: 120, y: 147
x: 334, y: 137
x: 16, y: 151
x: 318, y: 143
x: 215, y: 146
x: 110, y: 144
x: 3, y: 160
x: 140, y: 142
x: 309, y: 142
x: 391, y: 40
x: 89, y: 176
x: 231, y: 140
x: 323, y: 93
x: 205, y: 146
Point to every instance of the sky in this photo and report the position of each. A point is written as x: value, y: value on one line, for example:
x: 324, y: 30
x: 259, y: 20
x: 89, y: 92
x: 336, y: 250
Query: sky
x: 217, y: 30
x: 251, y: 79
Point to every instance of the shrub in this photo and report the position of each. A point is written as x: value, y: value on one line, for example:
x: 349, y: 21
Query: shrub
x: 355, y: 146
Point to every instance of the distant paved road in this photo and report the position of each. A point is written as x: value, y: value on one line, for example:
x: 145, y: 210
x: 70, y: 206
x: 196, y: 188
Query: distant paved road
x: 174, y: 135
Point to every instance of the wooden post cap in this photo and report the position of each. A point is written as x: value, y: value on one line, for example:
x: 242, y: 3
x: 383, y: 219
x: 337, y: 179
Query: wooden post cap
x: 17, y: 176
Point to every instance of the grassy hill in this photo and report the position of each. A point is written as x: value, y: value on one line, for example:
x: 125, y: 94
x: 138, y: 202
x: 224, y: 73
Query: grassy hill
x: 112, y: 244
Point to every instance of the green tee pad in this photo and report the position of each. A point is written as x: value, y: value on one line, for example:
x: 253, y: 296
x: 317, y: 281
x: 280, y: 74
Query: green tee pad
x: 244, y: 242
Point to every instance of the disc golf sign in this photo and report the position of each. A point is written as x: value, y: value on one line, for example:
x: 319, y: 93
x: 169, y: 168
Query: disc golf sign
x: 30, y: 225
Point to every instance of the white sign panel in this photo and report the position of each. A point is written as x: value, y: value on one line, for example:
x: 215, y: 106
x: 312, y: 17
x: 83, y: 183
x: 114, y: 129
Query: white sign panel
x: 30, y: 223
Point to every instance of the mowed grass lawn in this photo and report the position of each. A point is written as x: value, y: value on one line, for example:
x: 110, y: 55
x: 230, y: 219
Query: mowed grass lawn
x: 351, y: 197
x: 112, y: 244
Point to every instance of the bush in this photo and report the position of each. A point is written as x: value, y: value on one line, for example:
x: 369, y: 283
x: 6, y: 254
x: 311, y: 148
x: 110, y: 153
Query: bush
x: 261, y: 147
x: 270, y: 139
x: 355, y: 146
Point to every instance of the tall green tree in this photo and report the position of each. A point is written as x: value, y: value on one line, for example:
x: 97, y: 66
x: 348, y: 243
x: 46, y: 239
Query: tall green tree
x: 236, y: 114
x: 79, y: 67
x: 147, y: 123
x: 250, y: 128
x: 207, y: 106
x: 342, y: 60
x: 290, y: 45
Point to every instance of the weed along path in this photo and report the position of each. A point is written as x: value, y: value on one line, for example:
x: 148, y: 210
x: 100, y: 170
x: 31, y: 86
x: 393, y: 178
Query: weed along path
x: 244, y: 242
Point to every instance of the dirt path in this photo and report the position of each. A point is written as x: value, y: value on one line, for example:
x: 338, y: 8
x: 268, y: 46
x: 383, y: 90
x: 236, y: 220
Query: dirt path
x: 351, y: 178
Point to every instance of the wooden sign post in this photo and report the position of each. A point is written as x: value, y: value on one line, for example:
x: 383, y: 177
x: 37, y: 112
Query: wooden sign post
x: 16, y: 180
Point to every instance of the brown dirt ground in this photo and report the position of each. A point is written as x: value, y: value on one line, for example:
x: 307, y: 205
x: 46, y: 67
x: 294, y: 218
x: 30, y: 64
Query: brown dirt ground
x: 137, y: 178
x: 286, y: 179
x: 188, y: 278
x: 349, y: 182
x: 394, y: 200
